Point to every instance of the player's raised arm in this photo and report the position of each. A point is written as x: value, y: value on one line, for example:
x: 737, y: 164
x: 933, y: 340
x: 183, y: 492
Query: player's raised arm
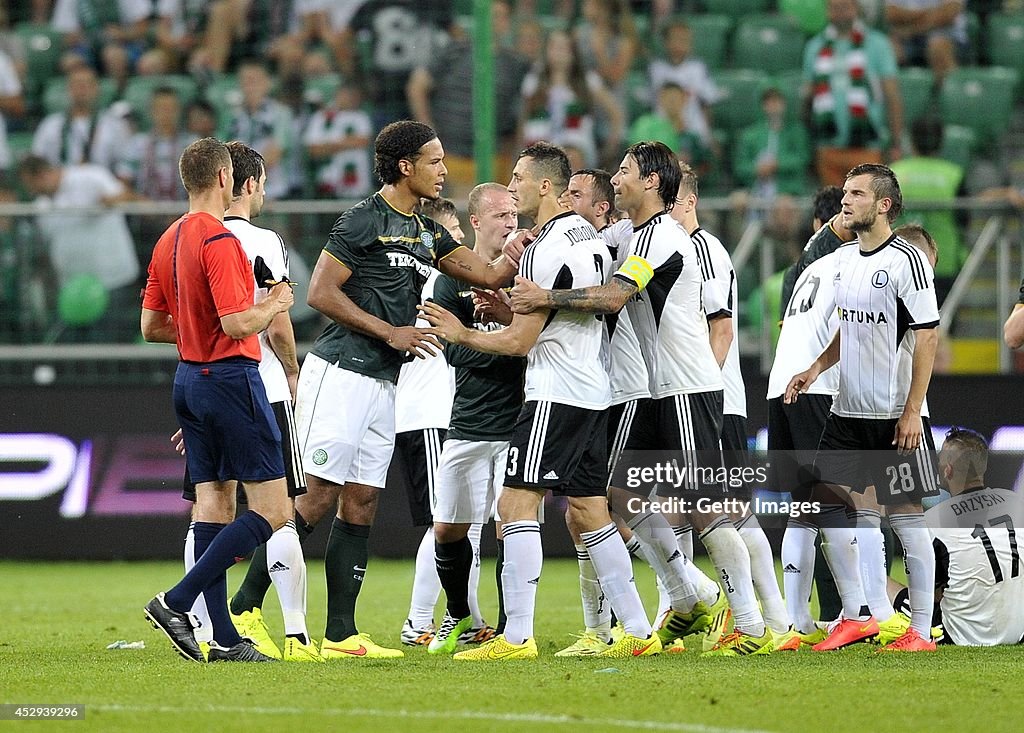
x: 465, y: 264
x: 326, y: 296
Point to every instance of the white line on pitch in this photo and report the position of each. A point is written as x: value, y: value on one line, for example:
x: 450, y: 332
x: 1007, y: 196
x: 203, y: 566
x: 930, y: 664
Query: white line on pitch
x: 535, y: 718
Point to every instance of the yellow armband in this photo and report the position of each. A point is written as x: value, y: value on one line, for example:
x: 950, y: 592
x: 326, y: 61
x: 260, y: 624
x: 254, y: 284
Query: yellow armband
x: 637, y: 269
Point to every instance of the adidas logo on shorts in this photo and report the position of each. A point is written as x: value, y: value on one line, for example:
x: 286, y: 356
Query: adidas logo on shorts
x: 278, y: 567
x: 791, y: 568
x: 551, y: 476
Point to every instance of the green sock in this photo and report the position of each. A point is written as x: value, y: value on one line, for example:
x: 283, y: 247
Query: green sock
x: 345, y: 566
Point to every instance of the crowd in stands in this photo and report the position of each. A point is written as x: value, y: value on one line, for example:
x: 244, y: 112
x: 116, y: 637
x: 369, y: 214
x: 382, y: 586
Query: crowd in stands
x: 765, y: 99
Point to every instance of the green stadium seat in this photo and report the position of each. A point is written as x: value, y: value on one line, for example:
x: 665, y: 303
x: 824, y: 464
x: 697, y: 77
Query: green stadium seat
x: 20, y: 144
x: 223, y: 93
x: 916, y: 85
x: 43, y: 46
x: 770, y: 43
x: 710, y: 38
x: 55, y: 95
x: 980, y: 98
x: 957, y: 144
x: 139, y: 92
x: 639, y: 97
x: 1005, y: 40
x: 321, y: 89
x: 740, y: 104
x: 738, y: 8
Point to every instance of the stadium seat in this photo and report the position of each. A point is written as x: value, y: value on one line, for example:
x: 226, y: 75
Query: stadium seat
x: 740, y: 104
x: 43, y: 47
x: 770, y: 43
x: 139, y: 92
x: 738, y: 8
x: 639, y: 98
x: 20, y: 144
x: 55, y: 95
x: 320, y: 90
x: 223, y: 93
x: 1005, y: 40
x: 710, y: 38
x: 980, y: 98
x: 916, y: 85
x: 957, y: 144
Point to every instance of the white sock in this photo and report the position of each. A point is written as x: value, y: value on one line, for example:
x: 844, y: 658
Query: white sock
x: 762, y: 570
x: 474, y: 577
x: 615, y: 570
x: 597, y: 612
x: 524, y: 559
x: 871, y: 547
x: 684, y: 538
x: 659, y: 548
x: 919, y: 556
x: 426, y: 586
x: 798, y: 573
x: 205, y: 630
x: 283, y: 549
x: 732, y: 561
x: 839, y: 545
x: 664, y: 602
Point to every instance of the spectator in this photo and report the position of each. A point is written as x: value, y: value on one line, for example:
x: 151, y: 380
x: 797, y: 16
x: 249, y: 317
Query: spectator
x: 560, y: 99
x: 337, y: 141
x: 268, y: 29
x: 180, y: 30
x: 87, y: 242
x: 667, y: 123
x: 926, y: 176
x: 402, y: 35
x: 85, y: 133
x: 12, y: 103
x: 200, y: 119
x: 607, y: 42
x: 264, y: 124
x: 690, y: 73
x: 529, y: 40
x: 772, y: 156
x: 150, y: 161
x: 441, y: 95
x: 852, y: 92
x: 109, y: 35
x: 928, y: 32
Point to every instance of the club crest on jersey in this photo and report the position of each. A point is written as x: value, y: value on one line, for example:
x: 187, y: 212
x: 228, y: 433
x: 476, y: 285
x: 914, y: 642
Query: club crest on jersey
x: 880, y: 279
x: 403, y: 259
x: 428, y: 239
x: 857, y: 316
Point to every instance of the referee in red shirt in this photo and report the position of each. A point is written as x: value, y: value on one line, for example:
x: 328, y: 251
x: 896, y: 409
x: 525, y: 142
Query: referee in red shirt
x: 199, y: 295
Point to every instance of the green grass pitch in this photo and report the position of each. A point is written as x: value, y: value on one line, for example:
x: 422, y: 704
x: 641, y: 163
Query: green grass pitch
x: 56, y: 620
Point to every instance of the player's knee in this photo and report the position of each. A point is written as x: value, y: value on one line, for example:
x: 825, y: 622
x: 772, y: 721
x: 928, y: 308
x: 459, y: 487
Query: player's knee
x: 447, y: 533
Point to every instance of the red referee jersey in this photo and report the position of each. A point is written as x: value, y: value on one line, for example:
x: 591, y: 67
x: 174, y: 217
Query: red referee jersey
x: 199, y: 273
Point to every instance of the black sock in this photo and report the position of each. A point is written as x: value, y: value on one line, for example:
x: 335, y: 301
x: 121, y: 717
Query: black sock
x: 256, y: 583
x: 454, y: 560
x: 502, y: 618
x: 345, y: 566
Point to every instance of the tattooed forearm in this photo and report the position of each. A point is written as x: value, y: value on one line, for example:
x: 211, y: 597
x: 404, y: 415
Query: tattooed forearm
x: 607, y: 298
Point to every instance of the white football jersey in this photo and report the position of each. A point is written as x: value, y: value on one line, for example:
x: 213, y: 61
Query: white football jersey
x: 720, y: 301
x: 259, y: 242
x: 569, y: 362
x: 977, y: 552
x: 667, y: 312
x: 426, y: 387
x: 810, y: 323
x: 880, y: 295
x: 628, y: 370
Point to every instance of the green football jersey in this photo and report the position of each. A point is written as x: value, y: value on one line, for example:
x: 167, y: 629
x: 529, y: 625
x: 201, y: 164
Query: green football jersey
x: 390, y: 254
x: 488, y: 388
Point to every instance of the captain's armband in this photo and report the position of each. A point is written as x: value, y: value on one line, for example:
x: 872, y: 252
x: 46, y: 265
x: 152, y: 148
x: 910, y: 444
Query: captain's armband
x: 638, y: 270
